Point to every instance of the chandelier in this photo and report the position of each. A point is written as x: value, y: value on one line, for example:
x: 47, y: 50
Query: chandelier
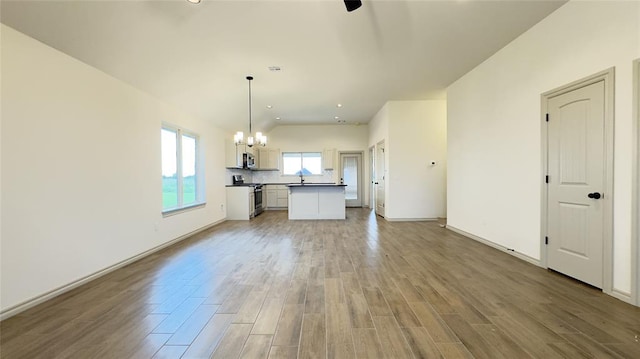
x: 259, y: 140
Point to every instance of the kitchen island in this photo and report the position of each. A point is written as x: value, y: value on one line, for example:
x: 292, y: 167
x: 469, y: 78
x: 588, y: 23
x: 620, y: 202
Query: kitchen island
x: 316, y: 201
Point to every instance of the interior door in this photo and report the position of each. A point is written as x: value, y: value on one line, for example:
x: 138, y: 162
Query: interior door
x: 380, y: 178
x: 351, y: 175
x: 576, y: 169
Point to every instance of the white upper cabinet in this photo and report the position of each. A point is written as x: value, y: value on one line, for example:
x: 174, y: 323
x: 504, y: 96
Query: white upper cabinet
x: 268, y: 158
x: 262, y: 159
x: 274, y: 158
x: 328, y: 158
x: 232, y: 154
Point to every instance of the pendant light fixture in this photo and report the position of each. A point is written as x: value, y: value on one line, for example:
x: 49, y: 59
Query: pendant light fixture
x: 238, y: 138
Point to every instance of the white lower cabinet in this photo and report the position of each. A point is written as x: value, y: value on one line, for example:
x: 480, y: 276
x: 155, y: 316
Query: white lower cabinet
x: 272, y: 197
x: 304, y: 204
x: 316, y: 202
x: 240, y: 203
x: 283, y: 197
x: 277, y: 196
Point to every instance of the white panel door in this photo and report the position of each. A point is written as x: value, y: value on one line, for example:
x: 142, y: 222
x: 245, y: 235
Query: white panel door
x: 576, y: 182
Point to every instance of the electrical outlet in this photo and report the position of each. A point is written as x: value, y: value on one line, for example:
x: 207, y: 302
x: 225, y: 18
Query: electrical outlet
x: 221, y: 207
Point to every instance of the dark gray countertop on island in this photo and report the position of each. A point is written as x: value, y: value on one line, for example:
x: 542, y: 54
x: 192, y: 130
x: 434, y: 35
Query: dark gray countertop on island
x: 315, y: 185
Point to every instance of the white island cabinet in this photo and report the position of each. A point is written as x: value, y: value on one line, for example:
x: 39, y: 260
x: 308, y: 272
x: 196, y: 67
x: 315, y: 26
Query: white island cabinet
x: 316, y: 201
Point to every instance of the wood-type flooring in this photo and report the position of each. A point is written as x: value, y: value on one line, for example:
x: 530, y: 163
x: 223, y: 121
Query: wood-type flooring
x: 359, y: 288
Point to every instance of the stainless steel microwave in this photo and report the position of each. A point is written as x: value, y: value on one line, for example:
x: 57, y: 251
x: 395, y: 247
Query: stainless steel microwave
x: 248, y: 160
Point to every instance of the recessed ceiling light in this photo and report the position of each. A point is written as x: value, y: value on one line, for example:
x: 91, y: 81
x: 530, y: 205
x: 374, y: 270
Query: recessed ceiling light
x: 339, y: 105
x: 336, y: 117
x: 194, y: 1
x: 269, y: 106
x: 275, y: 68
x: 277, y: 118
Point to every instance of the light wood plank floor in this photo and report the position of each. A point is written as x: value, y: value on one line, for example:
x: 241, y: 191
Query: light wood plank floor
x: 364, y: 287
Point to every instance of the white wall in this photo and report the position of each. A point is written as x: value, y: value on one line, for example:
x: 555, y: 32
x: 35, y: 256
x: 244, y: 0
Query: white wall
x: 81, y: 185
x: 494, y: 128
x: 379, y: 131
x: 417, y: 136
x: 414, y: 134
x: 317, y: 138
x: 379, y: 126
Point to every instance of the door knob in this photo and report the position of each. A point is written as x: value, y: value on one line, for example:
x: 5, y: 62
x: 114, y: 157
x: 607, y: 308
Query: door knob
x: 594, y: 195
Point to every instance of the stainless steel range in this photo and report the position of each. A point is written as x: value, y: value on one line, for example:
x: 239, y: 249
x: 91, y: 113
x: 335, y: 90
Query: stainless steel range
x: 257, y: 192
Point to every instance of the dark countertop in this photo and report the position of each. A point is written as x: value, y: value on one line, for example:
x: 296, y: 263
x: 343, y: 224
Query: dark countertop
x: 315, y: 185
x: 245, y: 185
x: 289, y: 184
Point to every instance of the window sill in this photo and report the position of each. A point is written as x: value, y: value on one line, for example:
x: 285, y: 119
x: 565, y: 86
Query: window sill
x: 173, y: 212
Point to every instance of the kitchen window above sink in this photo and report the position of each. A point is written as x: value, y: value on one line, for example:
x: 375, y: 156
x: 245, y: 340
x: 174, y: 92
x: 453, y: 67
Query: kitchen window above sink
x: 301, y: 163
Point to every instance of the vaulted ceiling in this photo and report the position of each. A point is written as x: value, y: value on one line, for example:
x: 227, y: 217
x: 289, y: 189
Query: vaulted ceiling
x: 196, y: 57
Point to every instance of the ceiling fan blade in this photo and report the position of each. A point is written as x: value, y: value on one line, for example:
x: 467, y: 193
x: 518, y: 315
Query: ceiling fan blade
x: 352, y: 4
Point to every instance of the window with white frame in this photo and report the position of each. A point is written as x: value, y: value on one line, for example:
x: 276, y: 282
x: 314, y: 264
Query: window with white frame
x: 180, y: 169
x: 301, y: 163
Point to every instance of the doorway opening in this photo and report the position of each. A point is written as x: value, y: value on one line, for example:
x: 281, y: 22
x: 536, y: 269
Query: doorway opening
x: 351, y: 175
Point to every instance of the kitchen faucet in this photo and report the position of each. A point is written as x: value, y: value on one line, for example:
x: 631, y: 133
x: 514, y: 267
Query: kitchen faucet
x: 301, y: 178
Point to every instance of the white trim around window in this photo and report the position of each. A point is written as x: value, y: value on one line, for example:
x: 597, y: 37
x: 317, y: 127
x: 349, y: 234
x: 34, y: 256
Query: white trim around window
x: 182, y: 185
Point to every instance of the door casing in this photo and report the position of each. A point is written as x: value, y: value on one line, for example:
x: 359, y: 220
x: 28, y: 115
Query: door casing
x: 635, y: 215
x: 381, y: 169
x: 372, y: 177
x: 607, y: 262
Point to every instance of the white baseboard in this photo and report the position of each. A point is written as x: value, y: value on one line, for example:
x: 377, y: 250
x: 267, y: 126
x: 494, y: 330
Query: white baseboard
x: 18, y: 308
x: 410, y: 219
x: 623, y: 296
x: 518, y: 255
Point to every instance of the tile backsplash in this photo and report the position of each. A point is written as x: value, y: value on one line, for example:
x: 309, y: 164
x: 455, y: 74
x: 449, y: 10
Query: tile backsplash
x: 232, y: 172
